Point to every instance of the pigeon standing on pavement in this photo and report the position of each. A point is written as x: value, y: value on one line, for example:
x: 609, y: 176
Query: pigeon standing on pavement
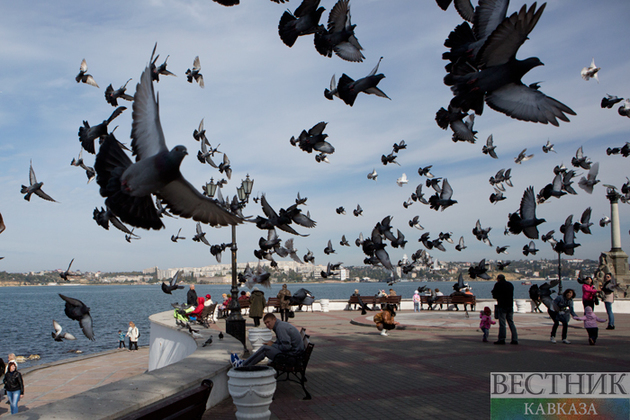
x: 128, y: 186
x: 34, y: 187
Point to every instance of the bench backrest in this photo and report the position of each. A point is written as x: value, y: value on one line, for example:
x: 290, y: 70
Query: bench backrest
x: 186, y: 405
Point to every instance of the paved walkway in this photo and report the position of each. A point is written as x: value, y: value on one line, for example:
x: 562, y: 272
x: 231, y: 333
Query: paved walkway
x: 59, y: 380
x: 437, y: 367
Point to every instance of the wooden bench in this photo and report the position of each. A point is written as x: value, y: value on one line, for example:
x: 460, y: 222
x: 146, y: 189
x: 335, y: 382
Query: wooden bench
x: 245, y: 304
x: 274, y: 303
x: 294, y: 367
x: 374, y: 300
x: 186, y: 405
x: 207, y: 316
x: 449, y: 300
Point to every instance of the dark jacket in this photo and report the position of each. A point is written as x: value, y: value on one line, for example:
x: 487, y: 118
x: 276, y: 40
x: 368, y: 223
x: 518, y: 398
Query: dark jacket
x: 503, y: 292
x: 256, y: 304
x: 191, y: 297
x: 13, y: 381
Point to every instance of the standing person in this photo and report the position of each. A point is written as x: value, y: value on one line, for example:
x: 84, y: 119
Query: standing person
x: 256, y: 305
x: 133, y: 335
x: 191, y: 296
x: 588, y: 293
x: 486, y: 322
x: 590, y: 324
x: 503, y: 292
x: 285, y: 303
x: 561, y: 312
x: 384, y: 320
x: 13, y: 385
x: 609, y: 297
x: 121, y: 340
x: 288, y: 341
x: 416, y: 301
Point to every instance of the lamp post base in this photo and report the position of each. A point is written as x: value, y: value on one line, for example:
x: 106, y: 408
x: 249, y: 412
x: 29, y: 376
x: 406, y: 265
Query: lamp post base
x: 236, y: 328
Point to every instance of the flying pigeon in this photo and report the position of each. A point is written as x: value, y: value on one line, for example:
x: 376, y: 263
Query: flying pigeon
x: 372, y: 175
x: 584, y: 225
x: 390, y: 158
x: 89, y: 172
x: 344, y: 241
x: 581, y: 161
x: 348, y: 89
x: 555, y: 189
x: 172, y: 284
x: 83, y: 77
x: 34, y: 187
x: 589, y: 182
x: 131, y: 236
x: 415, y: 223
x: 313, y: 139
x: 489, y: 147
x: 340, y: 210
x: 59, y: 334
x: 76, y: 310
x: 128, y: 186
x: 609, y: 100
x: 590, y: 71
x: 604, y: 221
x: 497, y: 196
x: 156, y: 71
x: 460, y: 245
x: 303, y: 21
x: 358, y: 211
x: 624, y: 109
x: 567, y: 244
x: 497, y: 81
x: 329, y: 248
x: 65, y: 274
x: 502, y: 249
x: 2, y: 225
x: 194, y: 73
x: 418, y: 195
x: 548, y: 147
x: 261, y: 277
x: 480, y: 270
x: 174, y: 238
x: 525, y: 220
x: 482, y: 234
x: 288, y: 245
x: 501, y: 265
x: 530, y: 249
x: 548, y: 236
x: 103, y: 217
x: 88, y: 134
x: 309, y: 257
x: 402, y: 180
x: 399, y: 146
x: 112, y: 96
x: 443, y: 199
x: 463, y: 129
x: 464, y: 7
x: 340, y: 36
x: 522, y: 157
x: 426, y: 171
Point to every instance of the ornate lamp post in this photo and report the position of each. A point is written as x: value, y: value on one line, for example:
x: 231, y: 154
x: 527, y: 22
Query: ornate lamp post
x: 235, y: 323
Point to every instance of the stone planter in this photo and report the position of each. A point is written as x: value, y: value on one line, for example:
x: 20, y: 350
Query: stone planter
x: 258, y: 336
x: 325, y: 304
x: 252, y: 389
x: 521, y: 306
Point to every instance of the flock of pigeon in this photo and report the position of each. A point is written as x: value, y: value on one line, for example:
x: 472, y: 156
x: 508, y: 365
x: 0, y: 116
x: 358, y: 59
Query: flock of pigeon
x: 482, y: 69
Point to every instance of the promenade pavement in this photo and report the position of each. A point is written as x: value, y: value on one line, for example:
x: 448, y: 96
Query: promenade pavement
x: 436, y: 367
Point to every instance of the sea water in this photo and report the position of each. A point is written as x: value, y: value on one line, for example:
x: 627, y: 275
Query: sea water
x: 27, y: 312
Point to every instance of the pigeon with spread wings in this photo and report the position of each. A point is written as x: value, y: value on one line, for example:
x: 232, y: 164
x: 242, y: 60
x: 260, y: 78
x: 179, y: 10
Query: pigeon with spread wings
x: 76, y: 310
x: 128, y: 186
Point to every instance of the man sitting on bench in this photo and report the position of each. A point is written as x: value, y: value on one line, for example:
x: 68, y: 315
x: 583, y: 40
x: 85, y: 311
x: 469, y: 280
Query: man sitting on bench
x: 288, y: 341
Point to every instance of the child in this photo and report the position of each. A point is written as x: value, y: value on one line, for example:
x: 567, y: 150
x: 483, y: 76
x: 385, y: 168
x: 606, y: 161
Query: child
x: 590, y: 324
x: 384, y: 320
x: 416, y: 301
x: 486, y: 322
x: 121, y: 340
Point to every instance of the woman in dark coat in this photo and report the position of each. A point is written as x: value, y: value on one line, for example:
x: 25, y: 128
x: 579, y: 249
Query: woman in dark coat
x: 285, y: 303
x: 256, y: 305
x: 14, y: 386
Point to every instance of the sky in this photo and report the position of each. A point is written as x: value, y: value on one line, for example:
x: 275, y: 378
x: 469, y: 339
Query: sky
x: 259, y: 93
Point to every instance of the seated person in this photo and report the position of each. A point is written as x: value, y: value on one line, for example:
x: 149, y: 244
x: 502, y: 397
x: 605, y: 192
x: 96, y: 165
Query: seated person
x: 385, y: 319
x: 223, y: 307
x: 243, y: 295
x: 288, y: 341
x: 356, y: 293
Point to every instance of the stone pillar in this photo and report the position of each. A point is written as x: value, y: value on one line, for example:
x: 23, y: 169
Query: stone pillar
x: 616, y: 260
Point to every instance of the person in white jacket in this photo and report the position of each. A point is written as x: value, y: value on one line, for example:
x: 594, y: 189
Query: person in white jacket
x: 133, y: 335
